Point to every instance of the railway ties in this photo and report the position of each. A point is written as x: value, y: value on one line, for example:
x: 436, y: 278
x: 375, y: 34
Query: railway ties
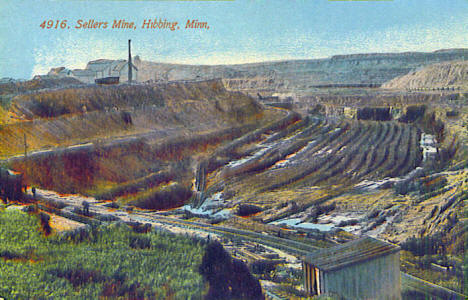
x: 345, y: 159
x: 328, y: 159
x: 327, y: 135
x: 365, y: 156
x: 376, y: 149
x: 392, y: 156
x: 383, y: 150
x: 290, y: 246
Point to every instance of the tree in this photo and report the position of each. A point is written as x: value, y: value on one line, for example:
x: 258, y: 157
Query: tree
x: 85, y: 208
x: 228, y: 278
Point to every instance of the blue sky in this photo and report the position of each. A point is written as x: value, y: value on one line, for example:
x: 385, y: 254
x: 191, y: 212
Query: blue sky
x: 240, y: 31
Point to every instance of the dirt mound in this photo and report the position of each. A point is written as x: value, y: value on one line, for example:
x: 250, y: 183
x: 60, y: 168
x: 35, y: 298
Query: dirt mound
x: 38, y: 83
x: 55, y: 103
x: 445, y: 75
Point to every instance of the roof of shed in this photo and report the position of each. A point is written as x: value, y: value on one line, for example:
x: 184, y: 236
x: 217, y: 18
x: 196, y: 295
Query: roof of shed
x: 99, y: 65
x: 118, y: 65
x: 356, y: 251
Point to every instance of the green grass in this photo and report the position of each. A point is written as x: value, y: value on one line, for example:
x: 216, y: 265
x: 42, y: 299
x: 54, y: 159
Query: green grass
x: 110, y: 261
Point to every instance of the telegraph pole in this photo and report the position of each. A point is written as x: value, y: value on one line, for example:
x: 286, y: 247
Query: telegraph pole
x: 130, y: 65
x: 25, y: 146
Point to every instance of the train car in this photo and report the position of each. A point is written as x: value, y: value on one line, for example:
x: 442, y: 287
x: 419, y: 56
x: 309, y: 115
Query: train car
x: 107, y: 80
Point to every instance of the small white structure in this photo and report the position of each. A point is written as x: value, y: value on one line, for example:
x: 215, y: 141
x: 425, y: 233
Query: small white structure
x: 365, y: 268
x: 428, y: 145
x: 350, y: 112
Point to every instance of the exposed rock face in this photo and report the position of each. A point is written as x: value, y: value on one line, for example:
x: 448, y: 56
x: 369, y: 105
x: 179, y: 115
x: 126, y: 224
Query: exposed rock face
x: 442, y: 75
x: 357, y: 69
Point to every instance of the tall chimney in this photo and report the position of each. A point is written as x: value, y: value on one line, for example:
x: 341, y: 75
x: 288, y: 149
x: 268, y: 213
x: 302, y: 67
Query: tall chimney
x: 129, y: 62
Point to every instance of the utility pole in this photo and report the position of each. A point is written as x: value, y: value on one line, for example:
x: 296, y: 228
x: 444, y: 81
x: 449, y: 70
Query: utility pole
x: 130, y: 65
x: 25, y: 146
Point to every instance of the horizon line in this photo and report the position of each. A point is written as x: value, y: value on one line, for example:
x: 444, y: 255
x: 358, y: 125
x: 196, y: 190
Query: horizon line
x: 262, y: 61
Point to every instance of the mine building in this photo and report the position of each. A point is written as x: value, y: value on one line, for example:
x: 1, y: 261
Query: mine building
x: 85, y: 76
x: 365, y: 268
x: 104, y: 68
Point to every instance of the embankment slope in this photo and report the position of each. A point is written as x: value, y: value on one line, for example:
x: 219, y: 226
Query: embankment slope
x: 437, y: 76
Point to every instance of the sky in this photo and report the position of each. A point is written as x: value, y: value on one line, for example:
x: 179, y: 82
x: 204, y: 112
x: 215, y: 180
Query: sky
x: 239, y: 31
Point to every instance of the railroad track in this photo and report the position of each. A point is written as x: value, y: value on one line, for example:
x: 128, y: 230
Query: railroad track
x: 298, y: 249
x: 290, y: 246
x: 295, y: 248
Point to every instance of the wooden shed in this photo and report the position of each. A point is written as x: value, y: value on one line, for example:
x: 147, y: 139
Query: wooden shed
x: 365, y: 268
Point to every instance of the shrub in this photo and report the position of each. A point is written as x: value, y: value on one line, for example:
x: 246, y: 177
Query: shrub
x: 350, y: 222
x: 427, y: 245
x: 139, y: 242
x: 79, y: 276
x: 45, y: 223
x: 248, y: 209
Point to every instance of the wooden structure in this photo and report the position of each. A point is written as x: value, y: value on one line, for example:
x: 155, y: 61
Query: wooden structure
x: 11, y: 184
x: 365, y: 268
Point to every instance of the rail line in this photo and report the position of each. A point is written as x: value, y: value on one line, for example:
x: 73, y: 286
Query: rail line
x: 290, y: 246
x: 296, y: 248
x: 300, y: 249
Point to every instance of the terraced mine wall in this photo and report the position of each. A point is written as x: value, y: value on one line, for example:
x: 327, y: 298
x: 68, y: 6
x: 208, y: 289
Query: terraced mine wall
x: 320, y: 151
x: 128, y: 167
x: 143, y: 152
x: 90, y: 113
x: 359, y: 69
x: 375, y: 99
x: 226, y: 153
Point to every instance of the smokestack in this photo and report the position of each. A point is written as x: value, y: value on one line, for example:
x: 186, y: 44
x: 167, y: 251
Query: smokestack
x: 129, y: 62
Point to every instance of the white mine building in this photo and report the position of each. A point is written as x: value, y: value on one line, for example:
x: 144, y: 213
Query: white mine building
x: 100, y: 68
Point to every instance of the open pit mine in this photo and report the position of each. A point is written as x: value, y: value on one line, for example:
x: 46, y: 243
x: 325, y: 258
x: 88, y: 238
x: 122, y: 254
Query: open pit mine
x: 359, y: 157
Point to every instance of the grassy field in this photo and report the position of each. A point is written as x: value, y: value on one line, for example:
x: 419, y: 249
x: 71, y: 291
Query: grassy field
x: 109, y: 261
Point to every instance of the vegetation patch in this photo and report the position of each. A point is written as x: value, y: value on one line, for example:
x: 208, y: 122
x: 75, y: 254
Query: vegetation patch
x: 94, y: 262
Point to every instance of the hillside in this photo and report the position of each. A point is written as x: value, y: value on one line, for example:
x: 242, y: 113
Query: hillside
x: 437, y: 76
x: 356, y: 69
